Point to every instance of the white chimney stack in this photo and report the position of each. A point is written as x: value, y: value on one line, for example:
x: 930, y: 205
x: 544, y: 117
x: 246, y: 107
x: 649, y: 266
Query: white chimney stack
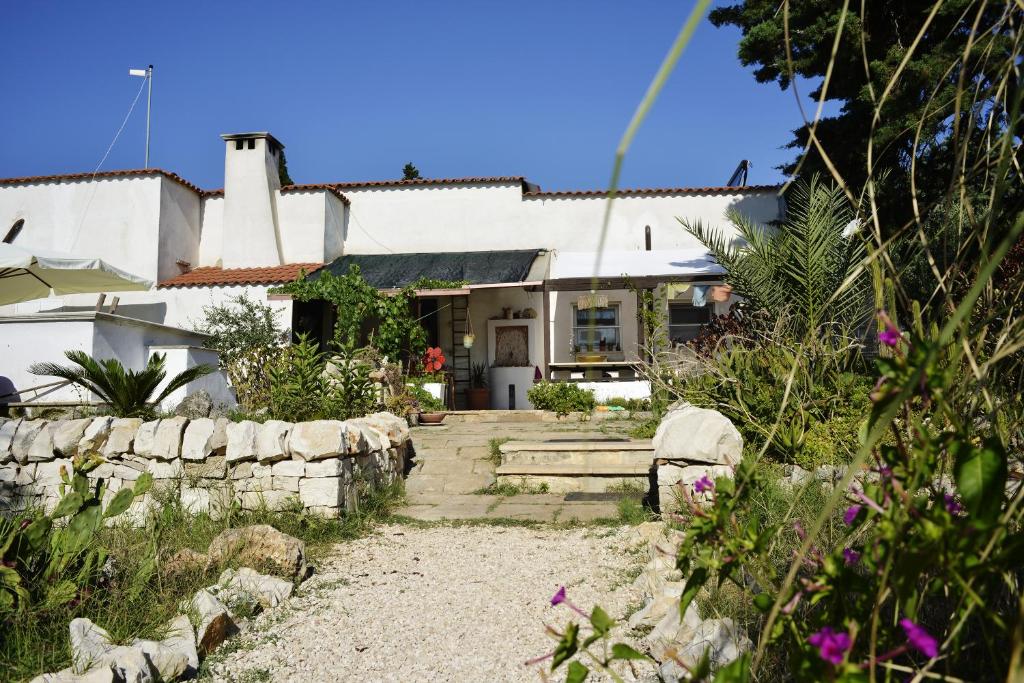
x: 252, y: 236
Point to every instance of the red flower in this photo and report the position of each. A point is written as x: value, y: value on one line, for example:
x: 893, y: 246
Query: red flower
x: 433, y: 359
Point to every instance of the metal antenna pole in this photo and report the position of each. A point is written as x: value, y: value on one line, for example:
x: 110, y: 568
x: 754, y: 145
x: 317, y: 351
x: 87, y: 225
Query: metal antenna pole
x: 149, y: 106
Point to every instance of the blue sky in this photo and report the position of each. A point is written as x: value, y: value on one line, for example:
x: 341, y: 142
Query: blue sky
x: 355, y: 90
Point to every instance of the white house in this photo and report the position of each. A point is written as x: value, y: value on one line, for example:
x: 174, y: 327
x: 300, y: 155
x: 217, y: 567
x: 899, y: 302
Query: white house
x: 528, y: 257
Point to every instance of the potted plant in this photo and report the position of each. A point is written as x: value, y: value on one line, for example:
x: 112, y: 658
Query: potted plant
x: 433, y: 373
x: 478, y: 395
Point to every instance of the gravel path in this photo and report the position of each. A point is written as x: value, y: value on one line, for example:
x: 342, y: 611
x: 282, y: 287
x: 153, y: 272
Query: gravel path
x: 435, y: 604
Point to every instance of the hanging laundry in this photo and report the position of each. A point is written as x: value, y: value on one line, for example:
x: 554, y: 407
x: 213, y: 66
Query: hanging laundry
x: 700, y: 295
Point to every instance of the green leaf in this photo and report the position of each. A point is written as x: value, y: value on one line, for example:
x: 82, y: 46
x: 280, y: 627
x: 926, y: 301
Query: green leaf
x: 80, y: 530
x: 143, y: 483
x: 60, y: 594
x: 35, y: 534
x: 763, y: 602
x: 980, y: 478
x: 577, y: 673
x: 693, y: 585
x: 737, y: 671
x: 67, y: 505
x: 600, y: 620
x: 119, y: 503
x: 623, y: 651
x: 567, y: 646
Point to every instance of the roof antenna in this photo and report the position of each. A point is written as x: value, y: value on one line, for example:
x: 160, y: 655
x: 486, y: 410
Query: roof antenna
x: 739, y: 176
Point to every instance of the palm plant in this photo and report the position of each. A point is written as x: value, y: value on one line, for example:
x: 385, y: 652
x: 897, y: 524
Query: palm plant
x: 127, y: 392
x: 807, y: 269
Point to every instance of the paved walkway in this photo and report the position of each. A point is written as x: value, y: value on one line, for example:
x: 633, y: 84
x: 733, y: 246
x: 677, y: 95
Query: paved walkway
x: 453, y: 462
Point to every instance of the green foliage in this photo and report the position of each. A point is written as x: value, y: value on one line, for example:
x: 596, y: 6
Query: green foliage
x: 478, y: 376
x: 410, y: 172
x: 305, y: 386
x: 52, y: 559
x: 127, y: 392
x: 804, y: 269
x: 561, y: 397
x: 425, y: 401
x: 631, y: 404
x: 435, y: 283
x: 395, y: 331
x: 246, y: 336
x: 282, y: 169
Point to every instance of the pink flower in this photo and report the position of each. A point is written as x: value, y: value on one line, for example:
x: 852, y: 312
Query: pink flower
x: 850, y: 556
x: 920, y: 639
x: 850, y: 516
x: 890, y: 336
x: 704, y: 484
x: 953, y: 506
x: 559, y: 597
x: 832, y: 645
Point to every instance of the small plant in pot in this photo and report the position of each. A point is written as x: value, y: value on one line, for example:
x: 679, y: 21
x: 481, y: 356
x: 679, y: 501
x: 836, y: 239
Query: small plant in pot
x: 478, y: 395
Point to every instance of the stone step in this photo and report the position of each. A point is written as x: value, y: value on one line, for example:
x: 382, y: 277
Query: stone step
x: 574, y: 470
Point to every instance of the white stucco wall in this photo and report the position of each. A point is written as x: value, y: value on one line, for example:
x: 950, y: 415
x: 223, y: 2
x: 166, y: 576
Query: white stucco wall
x: 211, y: 242
x: 303, y: 217
x: 251, y: 228
x: 179, y: 228
x: 115, y: 219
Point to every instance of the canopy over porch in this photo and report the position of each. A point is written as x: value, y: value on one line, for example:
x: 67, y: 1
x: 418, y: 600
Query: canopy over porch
x: 577, y: 270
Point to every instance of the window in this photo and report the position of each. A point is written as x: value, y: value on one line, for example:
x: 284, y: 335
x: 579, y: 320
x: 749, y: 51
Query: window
x: 684, y: 321
x: 13, y: 232
x: 239, y: 144
x: 603, y: 335
x: 252, y: 143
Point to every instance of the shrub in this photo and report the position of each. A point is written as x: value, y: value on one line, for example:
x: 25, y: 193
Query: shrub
x: 561, y: 397
x: 305, y: 386
x: 246, y: 336
x: 127, y: 392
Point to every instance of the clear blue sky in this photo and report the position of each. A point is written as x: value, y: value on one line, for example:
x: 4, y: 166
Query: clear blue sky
x: 355, y: 90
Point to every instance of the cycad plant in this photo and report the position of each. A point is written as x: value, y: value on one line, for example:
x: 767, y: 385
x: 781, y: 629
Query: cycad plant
x: 127, y: 392
x: 805, y: 269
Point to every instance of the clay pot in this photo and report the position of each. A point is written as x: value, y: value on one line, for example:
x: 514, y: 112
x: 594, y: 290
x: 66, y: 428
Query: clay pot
x: 478, y: 399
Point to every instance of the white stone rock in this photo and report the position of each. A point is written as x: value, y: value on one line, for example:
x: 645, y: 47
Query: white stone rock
x: 670, y: 475
x: 261, y: 471
x: 197, y: 444
x: 325, y: 492
x: 289, y: 468
x: 97, y: 674
x: 698, y: 435
x: 269, y: 590
x: 167, y: 439
x: 213, y: 621
x: 145, y: 438
x: 26, y: 475
x: 67, y: 434
x: 95, y: 435
x: 396, y: 428
x: 318, y: 439
x: 121, y: 438
x: 268, y: 498
x: 724, y: 641
x: 175, y: 656
x: 290, y: 484
x: 272, y: 441
x: 220, y: 435
x: 196, y: 501
x: 166, y: 470
x: 25, y: 437
x: 241, y: 441
x: 48, y: 473
x: 8, y: 474
x: 91, y: 646
x: 7, y: 431
x: 332, y: 467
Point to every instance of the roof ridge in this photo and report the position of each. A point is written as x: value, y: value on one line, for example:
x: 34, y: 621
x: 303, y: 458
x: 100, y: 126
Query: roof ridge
x: 217, y: 276
x: 653, y: 190
x: 28, y: 180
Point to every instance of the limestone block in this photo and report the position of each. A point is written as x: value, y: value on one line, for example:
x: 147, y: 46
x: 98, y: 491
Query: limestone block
x: 167, y: 440
x: 175, y: 657
x: 332, y: 467
x: 91, y: 646
x: 261, y: 471
x: 272, y: 441
x: 26, y: 475
x: 324, y: 511
x: 127, y: 472
x: 97, y: 674
x: 196, y: 501
x: 269, y: 499
x: 671, y: 474
x: 121, y: 438
x: 290, y: 484
x: 317, y: 440
x: 145, y: 438
x: 355, y: 438
x: 67, y: 434
x: 269, y: 590
x: 214, y: 621
x: 721, y: 638
x: 174, y: 469
x: 7, y: 430
x: 214, y: 467
x: 41, y: 449
x: 197, y: 444
x: 27, y: 432
x: 698, y: 435
x: 220, y: 435
x: 104, y: 471
x: 48, y: 473
x: 254, y: 484
x: 324, y: 491
x: 8, y: 474
x: 95, y: 435
x: 259, y: 543
x: 396, y: 428
x: 241, y: 470
x: 241, y: 441
x: 289, y: 468
x: 376, y: 438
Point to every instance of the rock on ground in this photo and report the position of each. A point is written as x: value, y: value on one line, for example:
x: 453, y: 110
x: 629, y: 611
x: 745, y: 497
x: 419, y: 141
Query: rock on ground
x: 259, y: 544
x: 437, y: 604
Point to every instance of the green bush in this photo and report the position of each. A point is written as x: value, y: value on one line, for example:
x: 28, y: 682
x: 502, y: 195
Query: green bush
x: 305, y: 386
x: 632, y: 404
x: 425, y: 400
x: 561, y: 397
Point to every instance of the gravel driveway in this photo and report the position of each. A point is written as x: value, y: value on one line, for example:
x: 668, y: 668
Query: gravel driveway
x: 435, y: 604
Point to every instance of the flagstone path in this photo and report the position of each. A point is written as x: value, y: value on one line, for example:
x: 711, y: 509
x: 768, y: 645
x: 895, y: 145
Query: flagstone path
x: 453, y: 462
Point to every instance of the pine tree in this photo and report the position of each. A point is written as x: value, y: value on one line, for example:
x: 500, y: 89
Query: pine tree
x: 410, y: 172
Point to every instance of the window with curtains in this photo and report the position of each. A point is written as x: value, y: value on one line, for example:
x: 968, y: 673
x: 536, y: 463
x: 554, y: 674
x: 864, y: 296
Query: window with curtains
x: 600, y: 333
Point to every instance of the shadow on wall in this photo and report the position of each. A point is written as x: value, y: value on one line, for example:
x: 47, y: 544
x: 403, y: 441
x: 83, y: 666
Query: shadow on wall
x: 753, y: 207
x: 8, y: 392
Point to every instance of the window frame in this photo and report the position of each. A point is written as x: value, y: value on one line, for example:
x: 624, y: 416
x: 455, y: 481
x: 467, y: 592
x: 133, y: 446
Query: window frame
x: 617, y: 328
x: 707, y: 310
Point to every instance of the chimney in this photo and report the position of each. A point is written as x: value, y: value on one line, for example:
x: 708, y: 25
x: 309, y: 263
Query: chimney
x: 251, y: 184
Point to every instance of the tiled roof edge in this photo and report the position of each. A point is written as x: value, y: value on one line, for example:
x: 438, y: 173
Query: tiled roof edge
x: 31, y: 180
x: 627, y: 192
x: 212, y: 276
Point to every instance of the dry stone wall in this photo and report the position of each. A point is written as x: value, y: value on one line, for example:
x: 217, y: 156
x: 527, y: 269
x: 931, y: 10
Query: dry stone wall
x: 324, y: 466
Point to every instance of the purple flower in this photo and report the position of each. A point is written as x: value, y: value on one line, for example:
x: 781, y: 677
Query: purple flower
x: 704, y: 484
x: 919, y: 639
x: 832, y: 645
x: 850, y: 556
x: 890, y: 336
x: 559, y: 597
x: 953, y: 506
x: 850, y: 516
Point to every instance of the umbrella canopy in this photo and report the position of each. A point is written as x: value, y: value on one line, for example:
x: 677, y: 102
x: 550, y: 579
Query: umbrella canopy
x: 27, y: 273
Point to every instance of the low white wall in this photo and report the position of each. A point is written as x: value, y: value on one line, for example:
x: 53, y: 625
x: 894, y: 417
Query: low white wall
x: 603, y: 391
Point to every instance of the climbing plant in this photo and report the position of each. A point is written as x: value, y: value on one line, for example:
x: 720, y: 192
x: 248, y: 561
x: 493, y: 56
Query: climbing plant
x: 393, y: 328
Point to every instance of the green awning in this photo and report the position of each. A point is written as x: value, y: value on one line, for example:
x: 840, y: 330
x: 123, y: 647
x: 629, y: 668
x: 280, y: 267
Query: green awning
x: 394, y: 271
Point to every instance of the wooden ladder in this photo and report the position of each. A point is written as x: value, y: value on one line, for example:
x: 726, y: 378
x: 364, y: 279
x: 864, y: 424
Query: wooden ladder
x: 461, y: 364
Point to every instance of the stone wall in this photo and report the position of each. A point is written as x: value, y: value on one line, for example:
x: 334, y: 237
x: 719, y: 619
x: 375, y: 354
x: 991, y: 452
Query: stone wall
x: 324, y: 466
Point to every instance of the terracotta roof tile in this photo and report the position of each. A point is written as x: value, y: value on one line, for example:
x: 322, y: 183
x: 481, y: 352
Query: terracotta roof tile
x: 655, y: 191
x: 222, y: 277
x: 31, y: 180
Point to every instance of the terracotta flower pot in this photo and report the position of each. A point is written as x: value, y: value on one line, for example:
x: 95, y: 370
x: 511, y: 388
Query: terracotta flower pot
x: 432, y: 418
x: 479, y: 399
